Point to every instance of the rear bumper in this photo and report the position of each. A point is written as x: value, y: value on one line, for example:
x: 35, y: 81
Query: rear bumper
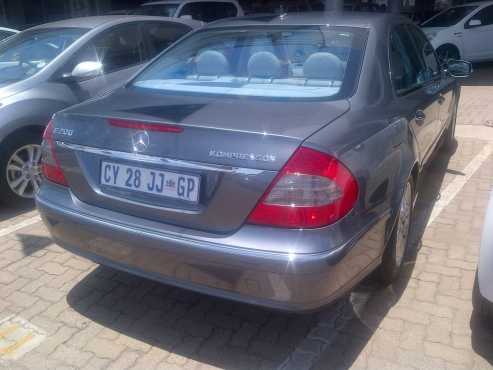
x: 291, y: 282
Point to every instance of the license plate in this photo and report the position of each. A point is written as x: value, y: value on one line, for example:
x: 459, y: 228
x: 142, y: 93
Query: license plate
x: 150, y: 181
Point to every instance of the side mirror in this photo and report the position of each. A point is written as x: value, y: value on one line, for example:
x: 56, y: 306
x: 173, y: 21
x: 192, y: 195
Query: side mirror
x: 86, y: 70
x: 459, y: 68
x: 474, y: 23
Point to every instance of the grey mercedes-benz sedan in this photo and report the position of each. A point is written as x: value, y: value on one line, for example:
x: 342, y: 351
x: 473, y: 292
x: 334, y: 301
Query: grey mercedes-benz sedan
x: 272, y: 160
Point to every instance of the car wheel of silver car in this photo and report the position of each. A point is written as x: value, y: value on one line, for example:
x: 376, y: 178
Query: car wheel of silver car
x: 481, y: 306
x: 20, y: 168
x: 395, y: 252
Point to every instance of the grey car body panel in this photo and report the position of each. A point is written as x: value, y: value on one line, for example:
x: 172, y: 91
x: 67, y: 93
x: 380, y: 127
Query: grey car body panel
x: 373, y: 133
x: 485, y: 265
x: 33, y: 101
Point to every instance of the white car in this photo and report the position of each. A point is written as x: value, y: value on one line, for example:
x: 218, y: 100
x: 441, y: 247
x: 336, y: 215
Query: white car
x: 7, y: 32
x: 200, y: 10
x: 463, y: 32
x: 483, y: 286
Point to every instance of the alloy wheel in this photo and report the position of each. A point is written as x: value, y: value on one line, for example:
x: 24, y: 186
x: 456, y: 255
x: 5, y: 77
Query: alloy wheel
x: 23, y: 171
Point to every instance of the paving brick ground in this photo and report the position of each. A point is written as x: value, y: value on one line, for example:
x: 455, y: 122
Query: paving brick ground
x: 98, y: 318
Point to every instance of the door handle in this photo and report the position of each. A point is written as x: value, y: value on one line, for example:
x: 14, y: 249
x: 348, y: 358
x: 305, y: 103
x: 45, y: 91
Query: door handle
x: 420, y: 116
x: 458, y: 34
x: 441, y: 100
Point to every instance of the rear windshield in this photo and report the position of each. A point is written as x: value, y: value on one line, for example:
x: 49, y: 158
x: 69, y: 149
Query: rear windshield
x: 277, y: 62
x: 161, y: 10
x: 449, y: 17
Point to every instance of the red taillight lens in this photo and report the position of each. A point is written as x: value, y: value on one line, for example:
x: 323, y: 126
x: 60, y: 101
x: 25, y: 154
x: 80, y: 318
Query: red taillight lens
x: 49, y: 163
x: 312, y: 190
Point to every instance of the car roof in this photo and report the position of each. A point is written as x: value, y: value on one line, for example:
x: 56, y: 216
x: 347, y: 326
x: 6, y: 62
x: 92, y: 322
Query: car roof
x: 8, y: 29
x: 97, y: 21
x: 347, y: 19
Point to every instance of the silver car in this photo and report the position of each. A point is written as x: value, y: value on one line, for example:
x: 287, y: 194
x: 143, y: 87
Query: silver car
x: 56, y: 65
x: 273, y: 160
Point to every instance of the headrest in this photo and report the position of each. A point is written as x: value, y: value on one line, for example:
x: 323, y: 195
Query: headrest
x: 212, y: 63
x: 264, y: 64
x: 324, y: 66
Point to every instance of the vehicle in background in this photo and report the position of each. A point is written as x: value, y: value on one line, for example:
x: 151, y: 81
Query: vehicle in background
x: 7, y: 32
x: 273, y: 160
x: 463, y: 32
x: 55, y: 65
x: 483, y: 288
x: 200, y: 10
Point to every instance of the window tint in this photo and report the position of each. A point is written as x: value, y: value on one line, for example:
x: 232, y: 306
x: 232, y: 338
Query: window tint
x: 208, y: 11
x: 425, y: 49
x: 485, y: 16
x: 118, y: 48
x: 160, y: 35
x: 405, y: 63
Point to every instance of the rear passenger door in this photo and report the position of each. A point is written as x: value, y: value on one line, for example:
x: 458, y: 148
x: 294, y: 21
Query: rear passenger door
x: 415, y: 87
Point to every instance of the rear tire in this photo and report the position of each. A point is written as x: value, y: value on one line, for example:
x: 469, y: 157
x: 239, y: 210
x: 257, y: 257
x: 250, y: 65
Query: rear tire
x: 19, y: 168
x: 483, y: 307
x: 448, y: 52
x: 395, y: 252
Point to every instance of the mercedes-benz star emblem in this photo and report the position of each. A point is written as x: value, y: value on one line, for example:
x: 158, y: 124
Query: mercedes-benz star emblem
x: 140, y: 141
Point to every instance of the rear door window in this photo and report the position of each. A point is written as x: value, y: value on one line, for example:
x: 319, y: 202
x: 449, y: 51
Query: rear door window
x: 430, y: 64
x: 405, y: 63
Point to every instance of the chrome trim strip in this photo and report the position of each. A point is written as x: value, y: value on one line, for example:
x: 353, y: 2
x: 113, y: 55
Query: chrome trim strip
x: 158, y: 160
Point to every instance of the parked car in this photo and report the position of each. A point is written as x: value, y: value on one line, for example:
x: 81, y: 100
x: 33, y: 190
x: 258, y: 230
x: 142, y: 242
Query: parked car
x: 463, y: 32
x: 7, y: 32
x: 269, y: 160
x: 53, y: 66
x: 201, y: 10
x: 483, y: 290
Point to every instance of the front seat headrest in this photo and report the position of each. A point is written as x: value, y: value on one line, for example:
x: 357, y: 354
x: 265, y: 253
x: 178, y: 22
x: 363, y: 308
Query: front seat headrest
x: 264, y: 64
x: 212, y: 63
x: 324, y: 66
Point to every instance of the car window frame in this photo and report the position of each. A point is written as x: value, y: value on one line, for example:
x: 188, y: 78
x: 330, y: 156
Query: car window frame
x: 466, y: 23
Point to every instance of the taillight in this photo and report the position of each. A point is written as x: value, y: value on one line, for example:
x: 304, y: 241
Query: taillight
x: 49, y: 163
x: 312, y: 190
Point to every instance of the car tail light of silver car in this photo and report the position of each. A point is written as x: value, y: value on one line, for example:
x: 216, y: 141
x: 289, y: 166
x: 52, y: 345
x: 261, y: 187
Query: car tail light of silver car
x: 313, y: 190
x: 49, y: 163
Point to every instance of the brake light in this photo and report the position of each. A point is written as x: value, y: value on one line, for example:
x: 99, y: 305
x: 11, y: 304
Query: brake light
x: 49, y: 163
x: 138, y: 125
x: 312, y: 190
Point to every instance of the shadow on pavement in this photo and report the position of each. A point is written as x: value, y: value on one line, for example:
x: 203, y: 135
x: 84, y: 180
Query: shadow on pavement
x: 33, y: 243
x: 8, y: 212
x: 482, y: 338
x: 189, y: 325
